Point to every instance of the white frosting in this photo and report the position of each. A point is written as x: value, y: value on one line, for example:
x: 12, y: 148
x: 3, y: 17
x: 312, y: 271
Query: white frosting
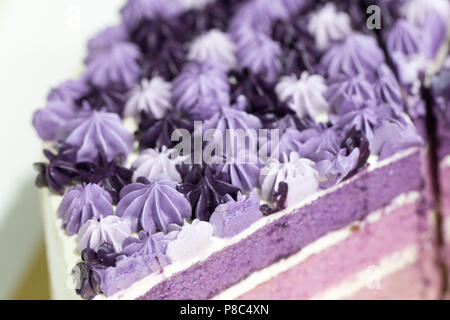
x: 61, y: 245
x: 445, y: 163
x: 194, y: 4
x: 192, y: 239
x: 328, y: 25
x: 417, y: 10
x: 151, y: 96
x: 153, y: 164
x: 331, y: 239
x: 305, y: 95
x: 216, y: 46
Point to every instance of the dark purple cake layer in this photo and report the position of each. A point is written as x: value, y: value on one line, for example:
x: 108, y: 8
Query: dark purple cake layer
x: 369, y: 191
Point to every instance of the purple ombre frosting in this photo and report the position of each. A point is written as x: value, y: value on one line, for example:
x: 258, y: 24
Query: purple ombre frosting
x: 116, y: 67
x: 153, y: 206
x: 111, y: 230
x: 356, y: 54
x: 201, y: 89
x: 233, y: 217
x: 82, y: 203
x: 98, y: 132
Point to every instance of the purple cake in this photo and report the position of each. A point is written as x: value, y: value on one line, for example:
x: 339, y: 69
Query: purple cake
x: 258, y: 149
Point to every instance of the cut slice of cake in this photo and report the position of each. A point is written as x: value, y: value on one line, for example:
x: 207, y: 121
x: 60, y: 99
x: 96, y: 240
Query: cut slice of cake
x: 236, y: 150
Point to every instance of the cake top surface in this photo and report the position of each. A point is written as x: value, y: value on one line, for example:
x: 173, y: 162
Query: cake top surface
x: 194, y: 119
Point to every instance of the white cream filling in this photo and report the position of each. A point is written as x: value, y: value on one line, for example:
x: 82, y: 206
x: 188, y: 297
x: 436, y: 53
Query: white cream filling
x: 67, y: 247
x: 371, y: 278
x: 445, y: 163
x: 331, y: 239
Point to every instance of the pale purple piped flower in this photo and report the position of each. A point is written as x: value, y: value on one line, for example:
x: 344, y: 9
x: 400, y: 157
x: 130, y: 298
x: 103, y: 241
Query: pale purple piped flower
x: 304, y: 95
x: 387, y: 88
x: 404, y: 37
x: 153, y: 164
x: 135, y: 11
x: 50, y: 120
x: 111, y: 230
x: 243, y: 168
x: 258, y: 15
x: 70, y: 90
x: 259, y: 53
x: 153, y: 245
x: 233, y: 217
x: 82, y: 203
x: 98, y: 132
x: 230, y: 128
x: 151, y: 206
x: 345, y: 90
x: 363, y: 119
x: 150, y: 96
x: 392, y: 136
x: 104, y: 40
x: 201, y: 89
x: 116, y: 67
x: 356, y: 54
x: 337, y: 166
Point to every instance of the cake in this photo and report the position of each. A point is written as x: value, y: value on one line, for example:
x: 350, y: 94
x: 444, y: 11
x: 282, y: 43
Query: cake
x: 242, y: 150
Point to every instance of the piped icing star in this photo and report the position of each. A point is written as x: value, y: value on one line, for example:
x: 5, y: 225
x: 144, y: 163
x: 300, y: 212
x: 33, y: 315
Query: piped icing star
x: 50, y: 120
x: 153, y: 164
x: 111, y: 230
x: 328, y: 25
x: 243, y: 168
x: 344, y: 91
x: 82, y: 203
x: 116, y: 67
x: 354, y: 55
x: 259, y: 53
x: 201, y: 89
x: 151, y: 96
x: 106, y: 39
x: 153, y: 206
x: 298, y: 173
x: 215, y: 46
x: 404, y: 37
x: 304, y: 95
x: 98, y: 132
x: 135, y: 11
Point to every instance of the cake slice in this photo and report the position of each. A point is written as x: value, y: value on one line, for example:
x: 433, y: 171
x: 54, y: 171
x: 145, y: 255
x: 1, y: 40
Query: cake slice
x: 258, y: 156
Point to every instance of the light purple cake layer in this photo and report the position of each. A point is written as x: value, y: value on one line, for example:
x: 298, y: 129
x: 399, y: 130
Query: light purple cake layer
x: 370, y: 191
x: 365, y: 248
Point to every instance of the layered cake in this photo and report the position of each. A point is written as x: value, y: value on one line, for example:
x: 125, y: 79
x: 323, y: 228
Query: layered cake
x: 258, y: 149
x: 439, y: 88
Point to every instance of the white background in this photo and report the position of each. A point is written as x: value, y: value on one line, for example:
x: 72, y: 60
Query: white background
x: 42, y: 42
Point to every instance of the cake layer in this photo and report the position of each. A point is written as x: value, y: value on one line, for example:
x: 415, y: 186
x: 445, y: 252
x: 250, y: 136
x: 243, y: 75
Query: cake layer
x: 289, y: 233
x: 331, y: 274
